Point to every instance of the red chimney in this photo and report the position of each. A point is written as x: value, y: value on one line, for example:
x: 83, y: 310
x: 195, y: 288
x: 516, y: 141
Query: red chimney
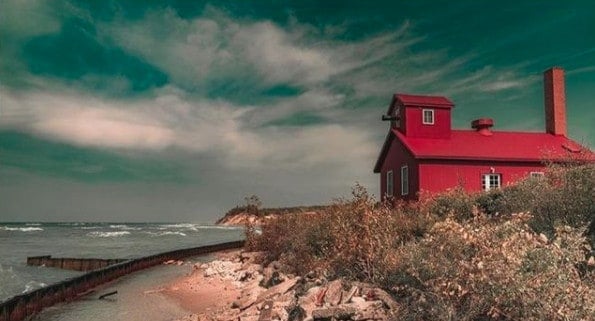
x: 555, y: 101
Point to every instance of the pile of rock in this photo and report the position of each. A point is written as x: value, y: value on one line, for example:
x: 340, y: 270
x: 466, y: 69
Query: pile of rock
x: 268, y: 294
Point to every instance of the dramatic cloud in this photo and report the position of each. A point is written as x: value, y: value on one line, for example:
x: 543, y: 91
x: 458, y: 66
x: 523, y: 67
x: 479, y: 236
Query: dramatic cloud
x: 221, y: 101
x: 169, y: 120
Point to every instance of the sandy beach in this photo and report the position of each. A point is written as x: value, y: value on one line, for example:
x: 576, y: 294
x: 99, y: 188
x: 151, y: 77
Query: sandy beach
x: 200, y: 294
x: 235, y: 287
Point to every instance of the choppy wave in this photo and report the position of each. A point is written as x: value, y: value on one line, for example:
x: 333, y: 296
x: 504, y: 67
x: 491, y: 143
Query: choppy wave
x: 184, y: 226
x: 90, y: 227
x: 125, y: 227
x: 22, y: 229
x: 108, y: 234
x: 72, y: 223
x: 32, y: 285
x: 7, y: 278
x: 33, y: 224
x: 196, y: 227
x: 165, y: 233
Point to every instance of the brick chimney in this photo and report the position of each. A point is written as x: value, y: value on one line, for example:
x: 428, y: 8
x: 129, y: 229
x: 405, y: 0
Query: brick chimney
x: 555, y: 101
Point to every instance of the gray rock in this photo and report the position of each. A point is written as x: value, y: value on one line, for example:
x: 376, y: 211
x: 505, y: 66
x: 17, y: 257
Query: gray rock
x: 339, y: 313
x: 277, y: 290
x: 334, y: 293
x: 349, y: 295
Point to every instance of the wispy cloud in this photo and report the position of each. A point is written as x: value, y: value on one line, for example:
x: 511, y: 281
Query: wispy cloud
x: 581, y: 70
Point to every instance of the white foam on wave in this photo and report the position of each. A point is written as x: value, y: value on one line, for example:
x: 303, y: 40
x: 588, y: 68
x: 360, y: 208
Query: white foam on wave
x: 32, y: 285
x: 90, y: 227
x: 72, y: 223
x: 22, y: 229
x: 108, y: 234
x: 33, y: 224
x: 165, y: 233
x: 183, y: 226
x: 124, y: 227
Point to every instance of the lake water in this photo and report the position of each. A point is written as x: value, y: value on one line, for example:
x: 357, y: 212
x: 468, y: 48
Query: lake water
x: 91, y: 240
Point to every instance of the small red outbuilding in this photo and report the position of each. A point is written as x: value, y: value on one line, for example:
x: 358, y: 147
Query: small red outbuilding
x: 422, y: 153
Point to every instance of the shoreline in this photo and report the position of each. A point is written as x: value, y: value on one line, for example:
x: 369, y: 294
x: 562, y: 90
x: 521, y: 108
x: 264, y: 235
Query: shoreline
x: 23, y: 306
x: 198, y: 294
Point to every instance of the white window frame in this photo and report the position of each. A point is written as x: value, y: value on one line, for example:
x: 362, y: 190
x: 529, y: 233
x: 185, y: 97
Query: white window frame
x: 390, y: 184
x: 423, y: 116
x: 491, y: 181
x: 404, y: 180
x: 536, y: 175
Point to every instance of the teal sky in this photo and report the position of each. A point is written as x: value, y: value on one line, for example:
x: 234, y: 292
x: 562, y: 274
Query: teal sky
x: 176, y: 110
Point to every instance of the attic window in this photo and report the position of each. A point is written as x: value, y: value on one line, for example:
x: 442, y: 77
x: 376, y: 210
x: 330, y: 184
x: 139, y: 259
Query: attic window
x: 428, y: 117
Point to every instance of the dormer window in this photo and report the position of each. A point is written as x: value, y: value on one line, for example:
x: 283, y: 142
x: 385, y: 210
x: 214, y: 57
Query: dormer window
x: 428, y: 117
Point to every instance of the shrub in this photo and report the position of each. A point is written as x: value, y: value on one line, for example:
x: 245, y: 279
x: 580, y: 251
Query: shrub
x: 567, y: 199
x: 493, y: 268
x: 351, y: 238
x: 454, y: 202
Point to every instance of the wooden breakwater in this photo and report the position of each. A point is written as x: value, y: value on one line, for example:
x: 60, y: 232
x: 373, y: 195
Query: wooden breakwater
x: 26, y: 305
x: 76, y: 264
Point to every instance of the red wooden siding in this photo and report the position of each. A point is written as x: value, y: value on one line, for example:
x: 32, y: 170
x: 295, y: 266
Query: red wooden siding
x: 436, y: 176
x: 415, y: 128
x: 397, y: 157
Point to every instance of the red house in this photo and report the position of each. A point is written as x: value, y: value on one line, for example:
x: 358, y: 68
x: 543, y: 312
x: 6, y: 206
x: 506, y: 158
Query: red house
x: 422, y: 153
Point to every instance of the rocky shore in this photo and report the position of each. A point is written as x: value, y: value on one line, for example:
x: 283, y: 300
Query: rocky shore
x: 235, y: 287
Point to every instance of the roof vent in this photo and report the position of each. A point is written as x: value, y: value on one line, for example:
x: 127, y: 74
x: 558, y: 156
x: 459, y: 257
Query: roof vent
x: 483, y: 125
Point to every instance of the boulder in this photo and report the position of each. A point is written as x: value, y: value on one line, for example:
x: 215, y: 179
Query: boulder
x: 347, y: 297
x: 278, y: 289
x: 334, y: 293
x: 268, y: 294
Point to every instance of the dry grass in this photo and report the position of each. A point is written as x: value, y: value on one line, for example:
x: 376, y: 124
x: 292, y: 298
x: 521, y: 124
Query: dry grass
x: 519, y: 253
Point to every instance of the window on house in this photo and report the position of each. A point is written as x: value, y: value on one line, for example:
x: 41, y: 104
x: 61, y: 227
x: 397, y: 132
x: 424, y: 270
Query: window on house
x: 536, y: 174
x: 389, y: 183
x: 428, y: 117
x: 404, y: 180
x: 491, y: 181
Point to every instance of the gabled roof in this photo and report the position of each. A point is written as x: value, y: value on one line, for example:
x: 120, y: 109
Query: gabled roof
x: 501, y: 146
x: 438, y: 101
x: 417, y: 100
